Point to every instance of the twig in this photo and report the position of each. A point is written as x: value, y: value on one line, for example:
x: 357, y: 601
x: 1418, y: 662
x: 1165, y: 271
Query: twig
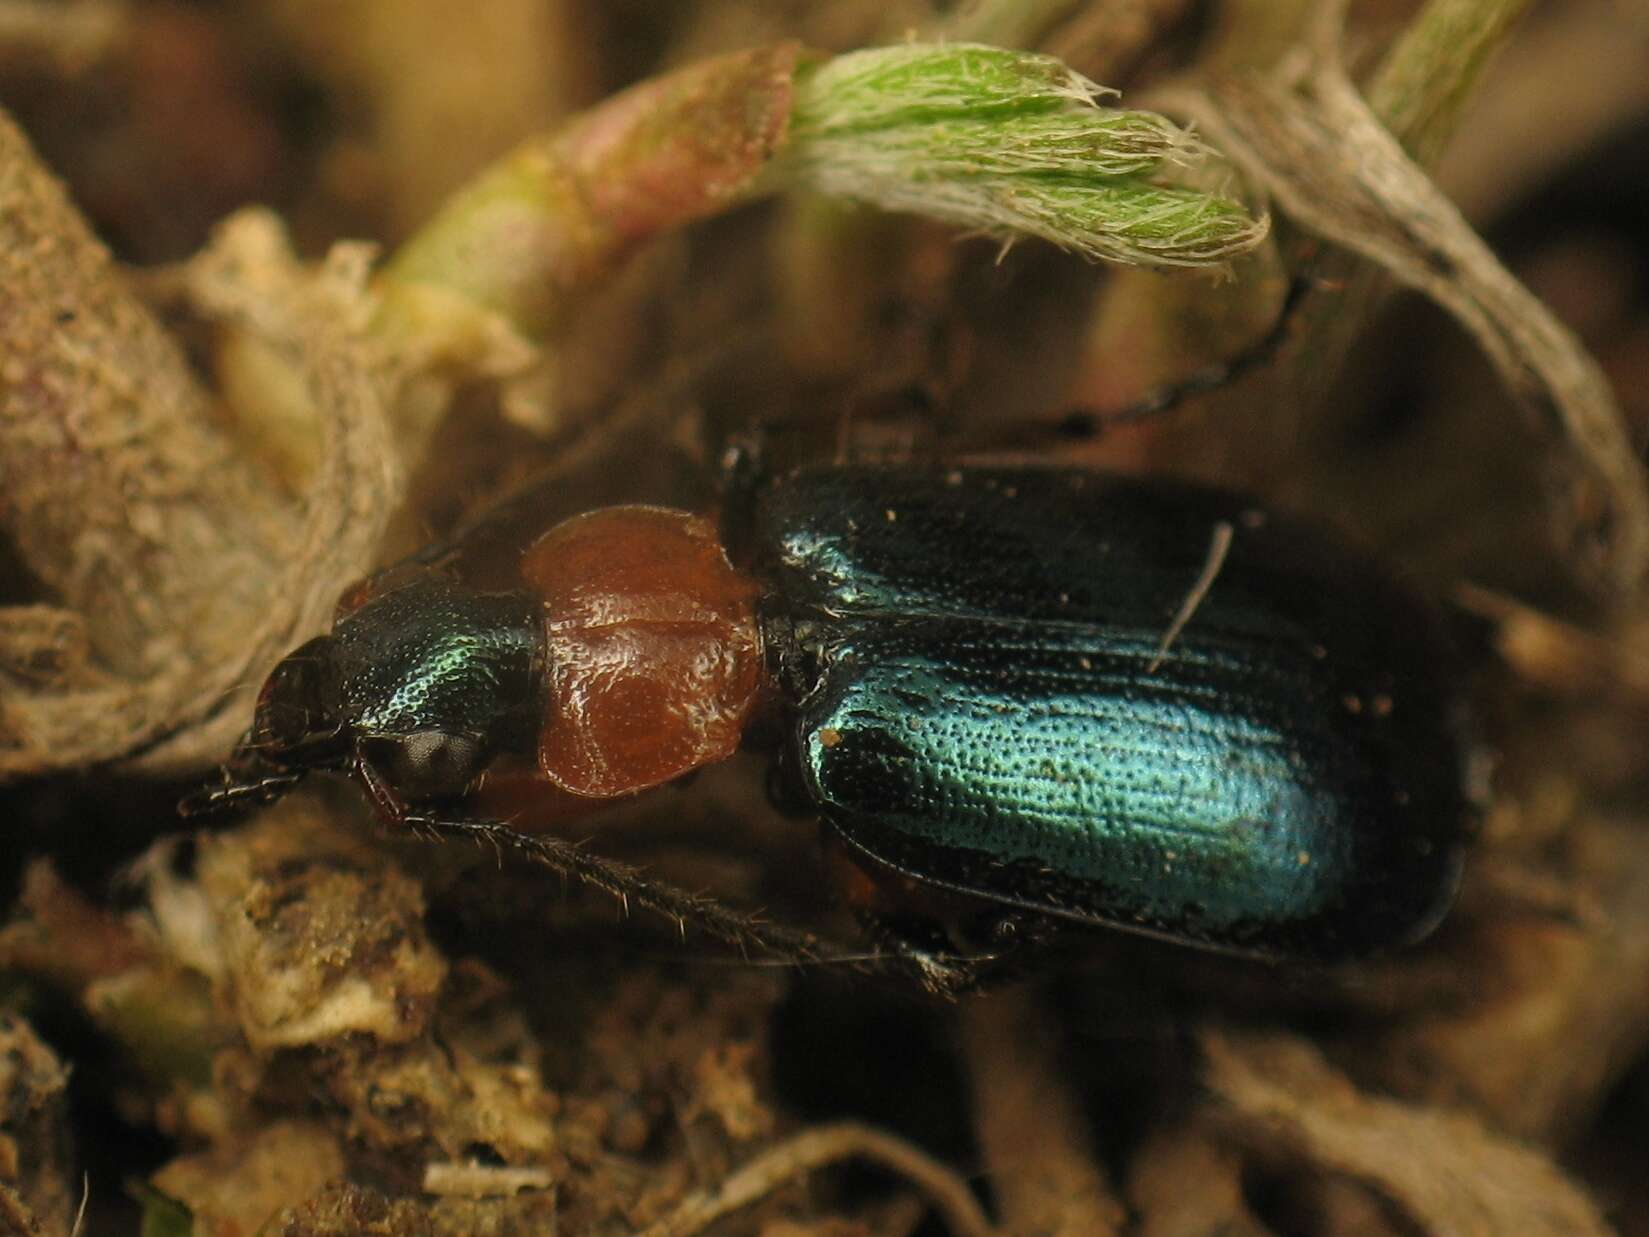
x: 1044, y: 1169
x: 85, y: 1201
x: 817, y: 1148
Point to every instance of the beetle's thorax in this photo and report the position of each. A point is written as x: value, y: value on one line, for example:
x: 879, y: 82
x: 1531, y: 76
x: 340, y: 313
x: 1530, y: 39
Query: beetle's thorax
x: 653, y: 659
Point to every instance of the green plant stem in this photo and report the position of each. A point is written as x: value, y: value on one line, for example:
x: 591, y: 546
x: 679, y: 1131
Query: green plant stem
x: 559, y: 212
x: 1426, y: 78
x: 1004, y: 142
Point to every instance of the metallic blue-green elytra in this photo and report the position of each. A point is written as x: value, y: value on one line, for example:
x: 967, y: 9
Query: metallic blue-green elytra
x: 982, y: 696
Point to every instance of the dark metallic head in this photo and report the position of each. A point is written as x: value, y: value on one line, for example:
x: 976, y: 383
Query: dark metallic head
x: 418, y: 690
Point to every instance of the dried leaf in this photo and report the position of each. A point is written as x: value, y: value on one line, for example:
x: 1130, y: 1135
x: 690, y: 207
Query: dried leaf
x: 1445, y: 1170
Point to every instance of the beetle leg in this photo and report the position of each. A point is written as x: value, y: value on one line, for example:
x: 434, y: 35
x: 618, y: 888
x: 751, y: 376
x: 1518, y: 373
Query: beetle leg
x: 973, y: 953
x: 1085, y: 423
x: 922, y: 951
x: 239, y: 790
x: 628, y: 884
x: 386, y: 801
x: 1014, y: 938
x: 248, y: 779
x: 744, y: 930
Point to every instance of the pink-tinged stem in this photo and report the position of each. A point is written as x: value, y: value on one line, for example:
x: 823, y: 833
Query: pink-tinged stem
x: 564, y: 209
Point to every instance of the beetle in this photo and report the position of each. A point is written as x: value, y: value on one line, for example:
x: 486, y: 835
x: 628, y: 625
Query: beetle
x: 1015, y: 697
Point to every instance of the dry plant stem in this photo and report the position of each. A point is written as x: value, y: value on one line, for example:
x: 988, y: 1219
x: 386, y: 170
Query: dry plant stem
x: 817, y: 1148
x: 1107, y: 38
x: 91, y: 382
x: 1255, y: 34
x: 249, y: 280
x: 179, y: 570
x: 1293, y: 137
x: 1032, y: 1134
x: 1446, y: 1171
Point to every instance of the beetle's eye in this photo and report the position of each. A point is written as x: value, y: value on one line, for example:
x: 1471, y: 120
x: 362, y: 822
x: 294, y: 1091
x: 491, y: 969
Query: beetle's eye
x: 427, y: 764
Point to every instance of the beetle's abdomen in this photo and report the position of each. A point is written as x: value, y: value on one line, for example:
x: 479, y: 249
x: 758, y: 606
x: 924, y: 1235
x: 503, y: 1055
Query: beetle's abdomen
x: 985, y: 703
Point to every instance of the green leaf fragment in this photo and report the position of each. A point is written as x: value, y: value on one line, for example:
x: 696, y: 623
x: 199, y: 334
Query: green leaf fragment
x: 1009, y: 143
x: 895, y: 85
x: 1092, y: 142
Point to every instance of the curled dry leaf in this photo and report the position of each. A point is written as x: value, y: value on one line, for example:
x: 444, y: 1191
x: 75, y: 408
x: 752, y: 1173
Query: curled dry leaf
x: 1548, y: 1028
x: 1447, y: 1172
x: 179, y: 568
x: 248, y: 280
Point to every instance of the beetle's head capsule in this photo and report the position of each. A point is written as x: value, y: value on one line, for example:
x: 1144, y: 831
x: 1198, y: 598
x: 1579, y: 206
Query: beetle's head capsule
x: 299, y: 725
x: 417, y: 690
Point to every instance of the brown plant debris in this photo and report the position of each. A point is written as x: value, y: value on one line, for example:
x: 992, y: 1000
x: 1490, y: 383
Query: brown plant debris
x: 1447, y: 1171
x: 814, y: 1149
x: 180, y: 571
x: 235, y: 1185
x: 36, y: 1149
